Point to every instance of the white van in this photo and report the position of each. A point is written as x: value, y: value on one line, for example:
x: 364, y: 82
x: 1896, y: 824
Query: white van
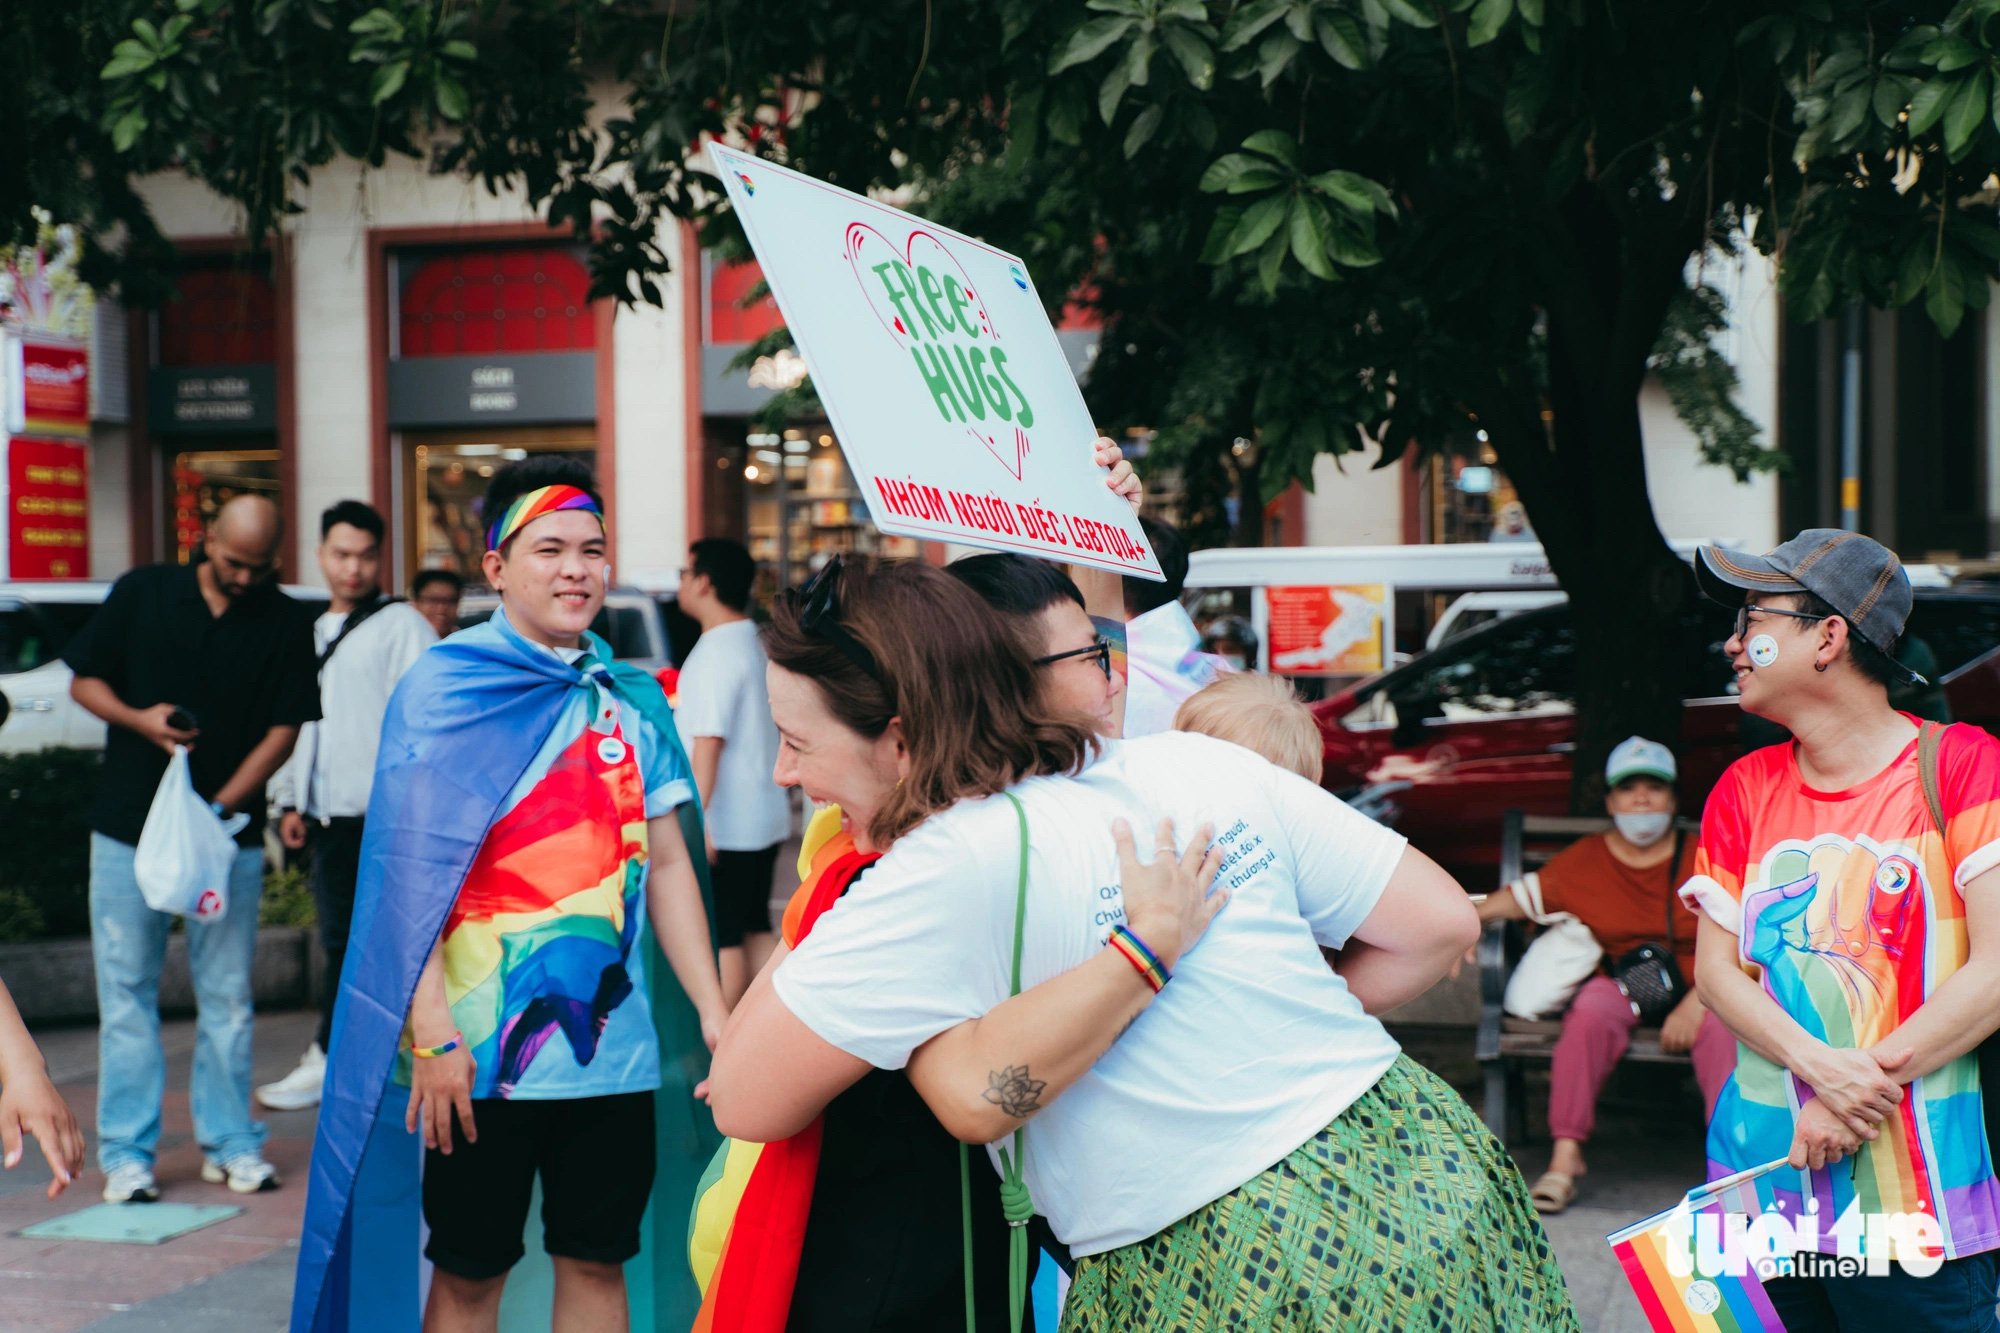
x: 1374, y: 584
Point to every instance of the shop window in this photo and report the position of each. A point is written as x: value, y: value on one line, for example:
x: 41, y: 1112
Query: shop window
x: 451, y: 476
x: 502, y: 300
x: 801, y: 504
x: 205, y: 480
x: 219, y: 316
x: 1471, y: 500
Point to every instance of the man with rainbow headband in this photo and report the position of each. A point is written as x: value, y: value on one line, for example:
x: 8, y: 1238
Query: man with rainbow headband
x: 531, y: 816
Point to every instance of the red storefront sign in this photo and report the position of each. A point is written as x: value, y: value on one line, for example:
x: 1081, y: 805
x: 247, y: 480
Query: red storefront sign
x: 55, y: 388
x: 48, y: 509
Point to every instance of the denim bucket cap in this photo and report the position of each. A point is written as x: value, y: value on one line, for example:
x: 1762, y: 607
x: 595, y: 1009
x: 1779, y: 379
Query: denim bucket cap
x: 1855, y: 575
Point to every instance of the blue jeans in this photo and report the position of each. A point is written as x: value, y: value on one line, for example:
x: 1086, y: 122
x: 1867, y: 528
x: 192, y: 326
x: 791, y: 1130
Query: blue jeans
x: 128, y: 943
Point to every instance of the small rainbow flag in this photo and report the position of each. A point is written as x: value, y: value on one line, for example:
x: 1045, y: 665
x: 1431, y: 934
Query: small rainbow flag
x: 1725, y: 1303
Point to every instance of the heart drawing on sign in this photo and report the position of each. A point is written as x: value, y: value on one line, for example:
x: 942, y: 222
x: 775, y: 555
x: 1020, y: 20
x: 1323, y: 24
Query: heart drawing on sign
x: 927, y: 304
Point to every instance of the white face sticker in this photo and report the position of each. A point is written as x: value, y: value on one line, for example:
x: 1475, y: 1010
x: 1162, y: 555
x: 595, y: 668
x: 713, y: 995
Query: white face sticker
x: 1763, y: 651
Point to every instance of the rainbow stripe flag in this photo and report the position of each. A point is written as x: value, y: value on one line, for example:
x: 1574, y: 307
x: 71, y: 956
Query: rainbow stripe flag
x: 1695, y: 1303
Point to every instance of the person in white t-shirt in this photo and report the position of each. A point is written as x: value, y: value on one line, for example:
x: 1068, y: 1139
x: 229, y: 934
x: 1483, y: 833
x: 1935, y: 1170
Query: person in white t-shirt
x: 725, y: 724
x: 1222, y: 1139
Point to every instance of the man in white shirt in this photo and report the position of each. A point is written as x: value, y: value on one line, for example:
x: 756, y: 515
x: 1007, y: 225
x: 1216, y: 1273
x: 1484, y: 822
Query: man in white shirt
x: 365, y: 643
x: 724, y: 718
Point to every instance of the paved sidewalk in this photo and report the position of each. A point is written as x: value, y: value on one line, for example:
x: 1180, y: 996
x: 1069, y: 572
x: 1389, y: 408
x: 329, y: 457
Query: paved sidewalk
x: 236, y: 1276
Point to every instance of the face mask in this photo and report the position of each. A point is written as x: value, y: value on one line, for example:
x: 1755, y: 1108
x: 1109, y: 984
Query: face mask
x: 1235, y: 661
x: 1643, y: 829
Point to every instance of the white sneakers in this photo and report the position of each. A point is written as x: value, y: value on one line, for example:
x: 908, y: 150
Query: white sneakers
x: 299, y: 1089
x: 131, y: 1183
x: 248, y: 1173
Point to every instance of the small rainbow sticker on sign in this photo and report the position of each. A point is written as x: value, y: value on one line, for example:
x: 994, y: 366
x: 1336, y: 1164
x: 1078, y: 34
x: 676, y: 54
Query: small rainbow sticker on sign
x: 1020, y: 278
x: 749, y: 186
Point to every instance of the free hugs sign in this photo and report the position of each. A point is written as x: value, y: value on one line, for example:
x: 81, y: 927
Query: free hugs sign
x: 940, y: 371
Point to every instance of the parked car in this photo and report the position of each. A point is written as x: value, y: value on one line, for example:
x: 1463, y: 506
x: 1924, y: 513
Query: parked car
x: 1443, y: 746
x: 37, y: 621
x: 1472, y: 610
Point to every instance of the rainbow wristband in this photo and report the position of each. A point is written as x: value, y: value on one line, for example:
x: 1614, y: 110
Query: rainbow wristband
x: 433, y: 1052
x: 1139, y: 956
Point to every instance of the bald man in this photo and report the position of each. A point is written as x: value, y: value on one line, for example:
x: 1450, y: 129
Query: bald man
x: 213, y: 657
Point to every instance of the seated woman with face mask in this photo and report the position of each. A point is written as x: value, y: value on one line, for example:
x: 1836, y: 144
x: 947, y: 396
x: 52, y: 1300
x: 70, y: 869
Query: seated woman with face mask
x: 1620, y: 884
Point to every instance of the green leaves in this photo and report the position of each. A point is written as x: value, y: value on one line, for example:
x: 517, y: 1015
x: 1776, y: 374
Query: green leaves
x: 1488, y: 17
x: 1132, y: 35
x: 1970, y: 108
x: 1293, y: 218
x: 1090, y: 41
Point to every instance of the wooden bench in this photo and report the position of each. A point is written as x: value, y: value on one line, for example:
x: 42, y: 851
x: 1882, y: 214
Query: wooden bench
x: 1504, y: 1044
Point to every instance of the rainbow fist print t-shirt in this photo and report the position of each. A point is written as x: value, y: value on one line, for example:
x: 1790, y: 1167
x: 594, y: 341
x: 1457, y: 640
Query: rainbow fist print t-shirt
x: 543, y: 969
x: 1847, y: 910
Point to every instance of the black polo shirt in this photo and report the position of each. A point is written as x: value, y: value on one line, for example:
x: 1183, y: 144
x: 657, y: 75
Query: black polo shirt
x: 240, y: 673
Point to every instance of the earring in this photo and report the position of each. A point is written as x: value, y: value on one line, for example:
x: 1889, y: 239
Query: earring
x: 1819, y: 666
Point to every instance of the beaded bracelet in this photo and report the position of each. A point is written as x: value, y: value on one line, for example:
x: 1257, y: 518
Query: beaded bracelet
x: 1136, y: 953
x: 433, y: 1052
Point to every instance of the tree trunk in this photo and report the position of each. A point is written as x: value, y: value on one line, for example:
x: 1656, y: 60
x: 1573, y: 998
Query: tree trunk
x: 1582, y: 477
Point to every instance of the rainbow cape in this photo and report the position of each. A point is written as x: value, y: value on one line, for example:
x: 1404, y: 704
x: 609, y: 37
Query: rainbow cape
x: 1695, y: 1303
x: 462, y: 728
x: 748, y: 1224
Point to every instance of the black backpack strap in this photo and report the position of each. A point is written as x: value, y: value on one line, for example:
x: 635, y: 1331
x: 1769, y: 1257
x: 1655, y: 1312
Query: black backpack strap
x: 360, y: 613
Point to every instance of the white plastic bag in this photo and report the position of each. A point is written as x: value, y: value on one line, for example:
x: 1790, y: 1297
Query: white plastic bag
x: 185, y: 852
x: 1561, y: 958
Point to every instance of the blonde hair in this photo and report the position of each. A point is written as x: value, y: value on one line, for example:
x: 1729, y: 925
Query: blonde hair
x: 1259, y: 713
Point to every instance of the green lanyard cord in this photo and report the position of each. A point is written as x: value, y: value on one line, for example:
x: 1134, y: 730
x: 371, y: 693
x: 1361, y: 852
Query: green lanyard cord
x: 1015, y: 1203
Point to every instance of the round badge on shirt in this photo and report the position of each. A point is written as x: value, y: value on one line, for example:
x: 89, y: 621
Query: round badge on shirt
x: 611, y: 750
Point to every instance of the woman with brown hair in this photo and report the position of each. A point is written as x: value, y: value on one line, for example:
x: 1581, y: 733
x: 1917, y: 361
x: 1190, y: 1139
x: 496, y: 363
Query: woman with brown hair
x: 1225, y: 1138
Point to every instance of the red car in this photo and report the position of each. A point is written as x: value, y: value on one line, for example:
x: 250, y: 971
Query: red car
x: 1441, y: 747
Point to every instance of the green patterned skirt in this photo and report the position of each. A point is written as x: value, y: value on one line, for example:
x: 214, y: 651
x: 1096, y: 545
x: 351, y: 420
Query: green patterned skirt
x: 1405, y: 1213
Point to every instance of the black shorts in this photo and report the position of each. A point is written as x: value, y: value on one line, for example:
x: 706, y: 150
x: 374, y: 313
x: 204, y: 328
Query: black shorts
x: 742, y: 883
x: 595, y: 1156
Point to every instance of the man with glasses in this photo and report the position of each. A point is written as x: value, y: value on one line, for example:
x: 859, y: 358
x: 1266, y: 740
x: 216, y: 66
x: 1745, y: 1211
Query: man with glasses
x: 213, y: 657
x: 436, y: 593
x: 1073, y: 658
x: 1848, y: 885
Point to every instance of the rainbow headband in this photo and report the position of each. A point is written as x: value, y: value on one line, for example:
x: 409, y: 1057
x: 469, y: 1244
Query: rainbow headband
x: 527, y: 508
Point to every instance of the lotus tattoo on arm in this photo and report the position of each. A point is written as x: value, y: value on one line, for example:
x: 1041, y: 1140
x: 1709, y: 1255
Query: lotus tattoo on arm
x: 1013, y: 1091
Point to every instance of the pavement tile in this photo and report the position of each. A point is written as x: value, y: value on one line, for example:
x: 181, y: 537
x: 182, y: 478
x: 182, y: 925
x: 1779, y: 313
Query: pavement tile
x: 40, y: 1314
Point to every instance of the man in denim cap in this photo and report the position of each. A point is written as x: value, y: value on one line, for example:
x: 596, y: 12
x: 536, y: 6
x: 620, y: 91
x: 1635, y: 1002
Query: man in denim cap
x: 1850, y: 938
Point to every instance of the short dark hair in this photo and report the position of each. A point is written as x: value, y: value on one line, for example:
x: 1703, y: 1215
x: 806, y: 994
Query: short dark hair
x: 532, y: 473
x: 1869, y: 660
x: 354, y: 514
x: 1015, y: 585
x: 728, y: 568
x: 426, y: 577
x: 1143, y: 595
x: 956, y: 673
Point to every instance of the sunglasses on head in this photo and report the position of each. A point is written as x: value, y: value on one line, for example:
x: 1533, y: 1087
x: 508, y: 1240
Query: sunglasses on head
x: 817, y: 603
x: 1098, y: 648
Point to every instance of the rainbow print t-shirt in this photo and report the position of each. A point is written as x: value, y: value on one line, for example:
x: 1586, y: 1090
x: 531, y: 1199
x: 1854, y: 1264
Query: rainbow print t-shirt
x: 541, y: 969
x: 1847, y: 911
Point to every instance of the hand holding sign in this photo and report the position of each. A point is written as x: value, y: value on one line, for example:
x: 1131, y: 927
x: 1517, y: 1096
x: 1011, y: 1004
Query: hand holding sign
x: 940, y: 372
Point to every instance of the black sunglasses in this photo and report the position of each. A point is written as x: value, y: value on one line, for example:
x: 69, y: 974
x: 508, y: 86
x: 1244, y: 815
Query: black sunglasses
x: 818, y: 607
x: 1098, y: 648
